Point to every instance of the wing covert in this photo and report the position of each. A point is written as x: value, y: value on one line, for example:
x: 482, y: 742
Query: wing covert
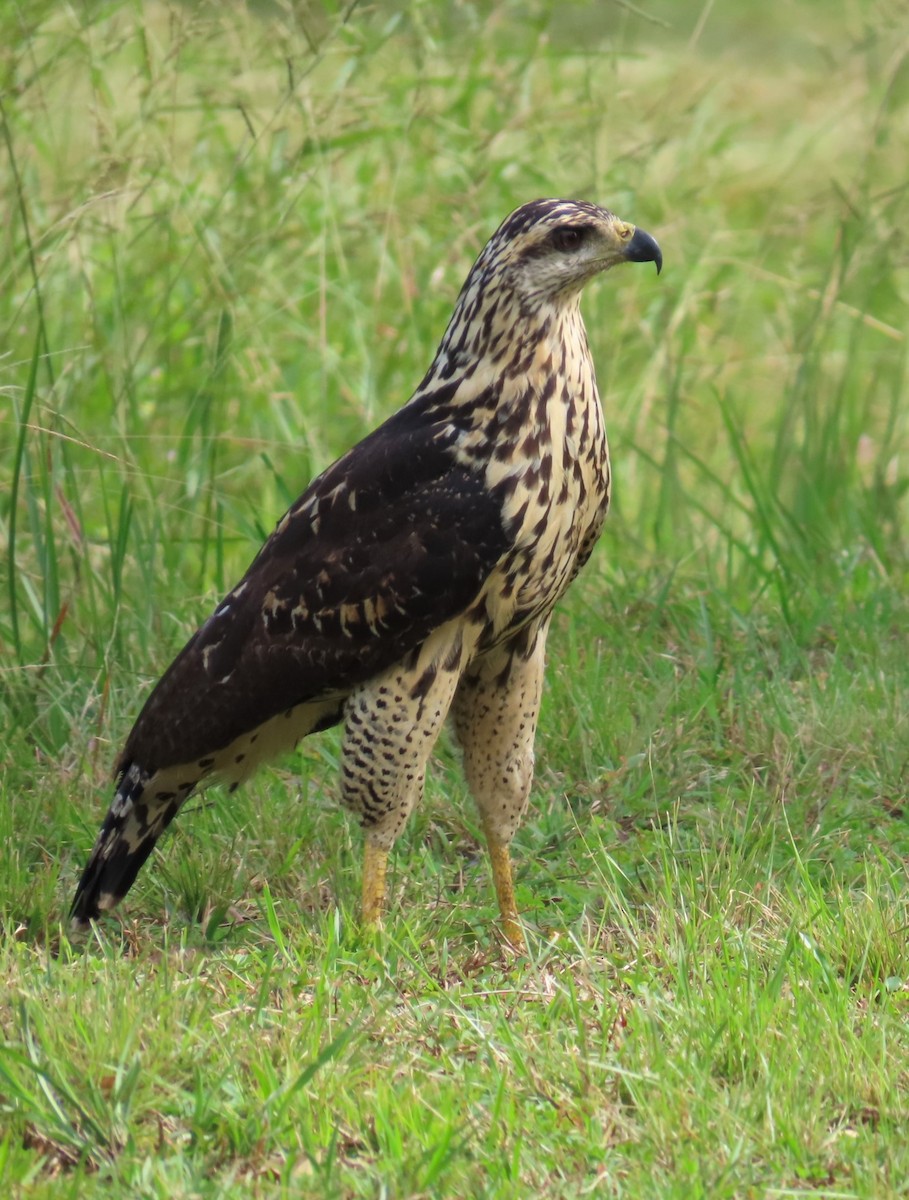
x: 391, y: 541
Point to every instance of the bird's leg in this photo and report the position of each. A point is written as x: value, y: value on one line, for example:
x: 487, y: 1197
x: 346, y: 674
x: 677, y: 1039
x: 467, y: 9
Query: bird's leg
x: 500, y: 860
x: 495, y: 718
x: 390, y: 727
x: 375, y: 862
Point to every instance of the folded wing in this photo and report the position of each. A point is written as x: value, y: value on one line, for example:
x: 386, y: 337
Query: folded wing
x: 393, y: 540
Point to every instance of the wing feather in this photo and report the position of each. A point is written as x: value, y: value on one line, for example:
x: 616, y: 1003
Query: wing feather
x: 390, y: 542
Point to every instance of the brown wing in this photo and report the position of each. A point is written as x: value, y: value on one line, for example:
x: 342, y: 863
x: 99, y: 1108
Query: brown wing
x: 390, y: 542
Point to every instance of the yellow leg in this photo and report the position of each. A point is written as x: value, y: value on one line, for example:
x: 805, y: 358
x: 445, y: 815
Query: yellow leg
x: 375, y: 861
x: 501, y: 874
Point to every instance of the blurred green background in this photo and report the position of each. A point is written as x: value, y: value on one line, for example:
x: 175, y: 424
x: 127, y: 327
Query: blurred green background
x: 232, y: 236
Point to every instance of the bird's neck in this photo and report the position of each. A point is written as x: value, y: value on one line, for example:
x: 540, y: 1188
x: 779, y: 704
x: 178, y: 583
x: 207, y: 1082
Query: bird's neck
x: 496, y: 338
x: 513, y: 386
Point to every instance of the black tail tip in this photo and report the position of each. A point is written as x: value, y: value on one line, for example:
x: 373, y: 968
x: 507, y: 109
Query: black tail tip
x: 83, y: 910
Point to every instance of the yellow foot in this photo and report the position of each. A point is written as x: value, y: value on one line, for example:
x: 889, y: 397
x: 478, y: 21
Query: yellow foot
x: 375, y: 861
x: 514, y: 935
x: 501, y: 874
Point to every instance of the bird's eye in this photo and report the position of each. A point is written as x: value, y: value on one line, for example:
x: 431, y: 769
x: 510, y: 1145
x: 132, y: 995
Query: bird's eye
x: 568, y: 238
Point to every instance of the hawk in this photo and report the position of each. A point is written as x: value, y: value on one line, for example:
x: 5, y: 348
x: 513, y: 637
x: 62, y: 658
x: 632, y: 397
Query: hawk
x: 414, y: 579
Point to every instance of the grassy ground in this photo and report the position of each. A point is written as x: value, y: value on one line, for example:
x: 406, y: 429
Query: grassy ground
x: 232, y: 239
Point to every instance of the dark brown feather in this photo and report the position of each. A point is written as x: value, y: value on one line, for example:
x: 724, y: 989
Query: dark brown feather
x: 415, y: 550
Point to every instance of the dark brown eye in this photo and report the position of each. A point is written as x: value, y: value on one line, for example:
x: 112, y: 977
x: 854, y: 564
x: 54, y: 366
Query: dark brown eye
x: 568, y: 238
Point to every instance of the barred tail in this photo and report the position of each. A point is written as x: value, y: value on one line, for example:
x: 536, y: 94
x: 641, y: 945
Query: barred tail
x: 134, y: 822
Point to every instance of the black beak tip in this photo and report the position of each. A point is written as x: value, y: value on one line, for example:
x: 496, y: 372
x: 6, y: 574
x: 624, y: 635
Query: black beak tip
x: 644, y: 248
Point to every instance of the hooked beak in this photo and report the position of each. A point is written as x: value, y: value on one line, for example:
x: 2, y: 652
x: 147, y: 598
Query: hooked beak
x: 643, y: 248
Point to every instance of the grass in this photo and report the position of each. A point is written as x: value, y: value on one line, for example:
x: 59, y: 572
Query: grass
x: 233, y: 239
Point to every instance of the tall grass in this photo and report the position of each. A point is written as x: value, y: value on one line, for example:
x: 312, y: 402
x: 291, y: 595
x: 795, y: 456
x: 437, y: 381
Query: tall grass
x: 233, y: 238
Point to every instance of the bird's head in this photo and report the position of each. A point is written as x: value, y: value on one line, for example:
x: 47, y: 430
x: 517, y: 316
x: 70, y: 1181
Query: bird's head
x: 547, y: 250
x: 532, y: 269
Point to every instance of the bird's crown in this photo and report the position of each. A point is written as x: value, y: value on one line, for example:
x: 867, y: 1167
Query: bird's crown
x: 546, y: 250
